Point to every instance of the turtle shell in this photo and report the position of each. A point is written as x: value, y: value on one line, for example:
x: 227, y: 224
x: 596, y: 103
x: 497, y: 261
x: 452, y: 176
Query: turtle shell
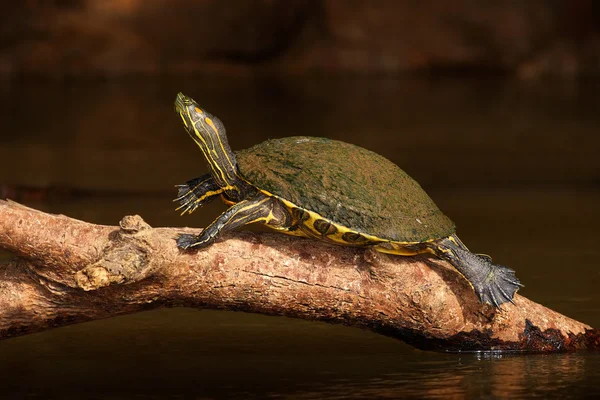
x: 347, y: 185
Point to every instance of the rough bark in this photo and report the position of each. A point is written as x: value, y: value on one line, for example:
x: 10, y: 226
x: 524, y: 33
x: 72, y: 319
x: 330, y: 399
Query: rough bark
x: 70, y: 271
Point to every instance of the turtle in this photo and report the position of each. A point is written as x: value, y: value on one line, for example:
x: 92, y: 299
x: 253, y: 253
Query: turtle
x: 327, y: 190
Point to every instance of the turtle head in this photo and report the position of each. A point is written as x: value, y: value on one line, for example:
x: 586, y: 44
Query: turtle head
x: 209, y: 134
x: 195, y: 119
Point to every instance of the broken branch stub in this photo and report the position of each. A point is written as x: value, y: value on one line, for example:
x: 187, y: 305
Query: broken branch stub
x: 124, y: 259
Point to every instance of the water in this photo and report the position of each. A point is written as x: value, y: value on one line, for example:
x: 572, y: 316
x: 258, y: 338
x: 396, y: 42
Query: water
x: 515, y: 167
x: 184, y: 352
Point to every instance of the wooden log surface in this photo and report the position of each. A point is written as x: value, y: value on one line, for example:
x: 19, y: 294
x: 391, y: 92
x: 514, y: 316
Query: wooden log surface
x: 70, y: 271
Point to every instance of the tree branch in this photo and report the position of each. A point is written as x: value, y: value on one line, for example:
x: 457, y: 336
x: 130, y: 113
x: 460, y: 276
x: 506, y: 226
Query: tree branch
x: 71, y: 271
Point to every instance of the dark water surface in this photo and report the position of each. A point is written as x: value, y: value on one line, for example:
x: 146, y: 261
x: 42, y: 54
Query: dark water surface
x: 517, y: 168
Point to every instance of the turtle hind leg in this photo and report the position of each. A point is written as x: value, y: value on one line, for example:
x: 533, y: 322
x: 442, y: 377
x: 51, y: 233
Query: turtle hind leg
x: 259, y: 208
x: 494, y: 284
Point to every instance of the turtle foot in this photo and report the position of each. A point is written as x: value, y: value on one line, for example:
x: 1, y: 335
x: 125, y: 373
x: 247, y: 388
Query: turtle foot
x: 494, y: 284
x: 499, y: 286
x: 187, y: 199
x: 186, y: 241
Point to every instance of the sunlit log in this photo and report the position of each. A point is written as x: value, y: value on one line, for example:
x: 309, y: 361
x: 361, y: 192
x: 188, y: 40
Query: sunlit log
x: 69, y: 271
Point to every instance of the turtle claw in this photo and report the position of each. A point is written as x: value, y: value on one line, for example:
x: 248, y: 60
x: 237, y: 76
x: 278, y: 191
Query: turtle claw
x: 187, y: 241
x: 195, y: 193
x: 188, y: 201
x: 182, y: 191
x: 499, y: 287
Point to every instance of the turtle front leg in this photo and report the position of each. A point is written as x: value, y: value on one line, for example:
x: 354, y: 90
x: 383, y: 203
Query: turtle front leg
x: 259, y: 208
x: 197, y: 192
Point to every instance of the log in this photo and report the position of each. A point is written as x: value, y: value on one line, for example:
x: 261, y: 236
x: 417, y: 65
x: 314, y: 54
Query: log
x: 68, y: 271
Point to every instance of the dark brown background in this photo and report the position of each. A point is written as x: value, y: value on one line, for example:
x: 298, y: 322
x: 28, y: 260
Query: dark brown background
x: 529, y: 39
x: 493, y: 106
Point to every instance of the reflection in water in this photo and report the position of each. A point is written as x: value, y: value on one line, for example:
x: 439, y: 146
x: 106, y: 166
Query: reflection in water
x: 498, y: 377
x: 515, y: 168
x: 183, y: 352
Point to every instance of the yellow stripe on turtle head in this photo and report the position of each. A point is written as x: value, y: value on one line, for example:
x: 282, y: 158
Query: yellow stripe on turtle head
x: 209, y: 134
x: 184, y: 120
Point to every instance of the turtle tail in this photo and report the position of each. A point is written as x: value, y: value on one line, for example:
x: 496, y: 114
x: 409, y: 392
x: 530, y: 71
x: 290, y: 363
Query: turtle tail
x: 494, y: 284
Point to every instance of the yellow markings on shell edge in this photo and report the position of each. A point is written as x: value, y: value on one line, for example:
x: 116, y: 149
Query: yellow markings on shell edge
x: 307, y: 229
x: 397, y: 249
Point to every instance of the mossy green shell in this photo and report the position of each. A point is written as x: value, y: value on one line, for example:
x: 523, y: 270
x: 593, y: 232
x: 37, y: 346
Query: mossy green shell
x: 347, y: 185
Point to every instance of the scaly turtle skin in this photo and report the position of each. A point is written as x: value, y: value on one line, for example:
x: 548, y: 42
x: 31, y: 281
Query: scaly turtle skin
x: 330, y: 191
